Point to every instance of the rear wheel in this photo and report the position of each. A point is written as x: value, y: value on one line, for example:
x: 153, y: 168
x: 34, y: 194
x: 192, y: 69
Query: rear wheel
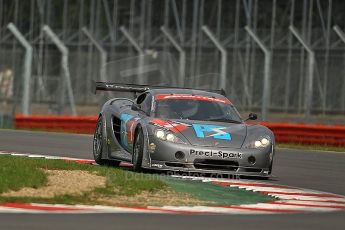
x: 98, y: 146
x: 138, y: 150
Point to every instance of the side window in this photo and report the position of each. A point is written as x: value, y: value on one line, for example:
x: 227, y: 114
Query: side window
x: 146, y: 103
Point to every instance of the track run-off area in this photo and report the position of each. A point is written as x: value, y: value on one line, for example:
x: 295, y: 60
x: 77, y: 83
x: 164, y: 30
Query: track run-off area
x: 290, y: 199
x: 309, y: 185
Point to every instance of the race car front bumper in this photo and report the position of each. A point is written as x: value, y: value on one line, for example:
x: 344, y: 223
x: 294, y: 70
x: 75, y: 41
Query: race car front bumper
x: 169, y: 156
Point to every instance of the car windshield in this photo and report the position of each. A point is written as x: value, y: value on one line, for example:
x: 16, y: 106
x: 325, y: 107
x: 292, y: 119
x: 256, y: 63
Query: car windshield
x: 203, y: 110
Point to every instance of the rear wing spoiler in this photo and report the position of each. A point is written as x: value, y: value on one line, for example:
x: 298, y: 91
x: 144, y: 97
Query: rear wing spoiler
x: 119, y: 87
x: 135, y: 88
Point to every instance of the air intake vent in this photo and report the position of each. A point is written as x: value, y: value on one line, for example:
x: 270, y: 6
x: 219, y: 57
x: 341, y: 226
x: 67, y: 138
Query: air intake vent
x: 216, y: 165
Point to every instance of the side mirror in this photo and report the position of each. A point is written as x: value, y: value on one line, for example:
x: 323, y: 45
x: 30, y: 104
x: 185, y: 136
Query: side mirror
x: 252, y: 116
x: 135, y: 107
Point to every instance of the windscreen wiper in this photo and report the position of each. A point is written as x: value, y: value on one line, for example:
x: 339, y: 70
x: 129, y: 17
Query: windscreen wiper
x: 225, y: 120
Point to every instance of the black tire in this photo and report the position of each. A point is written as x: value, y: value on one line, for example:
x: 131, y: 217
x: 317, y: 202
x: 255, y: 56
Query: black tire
x: 138, y: 150
x: 98, y: 146
x: 269, y: 172
x: 270, y: 169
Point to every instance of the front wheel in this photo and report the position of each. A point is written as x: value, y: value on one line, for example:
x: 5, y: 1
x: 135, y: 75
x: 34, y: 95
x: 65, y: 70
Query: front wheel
x: 270, y: 169
x: 138, y: 150
x: 98, y: 142
x: 98, y: 146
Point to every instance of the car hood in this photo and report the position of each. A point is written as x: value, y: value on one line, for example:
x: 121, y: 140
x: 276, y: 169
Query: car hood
x: 211, y: 134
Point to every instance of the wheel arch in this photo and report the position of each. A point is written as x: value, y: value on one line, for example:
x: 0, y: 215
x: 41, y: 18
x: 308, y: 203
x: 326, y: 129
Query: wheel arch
x: 146, y: 160
x: 137, y: 129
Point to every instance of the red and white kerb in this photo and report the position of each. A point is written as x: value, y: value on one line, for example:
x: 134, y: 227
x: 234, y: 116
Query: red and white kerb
x: 190, y: 97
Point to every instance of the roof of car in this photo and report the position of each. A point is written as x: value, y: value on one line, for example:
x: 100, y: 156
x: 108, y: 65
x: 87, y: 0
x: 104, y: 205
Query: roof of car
x: 185, y: 91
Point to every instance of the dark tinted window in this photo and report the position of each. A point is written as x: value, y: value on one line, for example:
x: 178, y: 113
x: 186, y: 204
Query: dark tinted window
x: 196, y: 110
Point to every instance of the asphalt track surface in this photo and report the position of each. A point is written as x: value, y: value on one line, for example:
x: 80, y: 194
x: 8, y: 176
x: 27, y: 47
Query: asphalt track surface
x: 324, y: 171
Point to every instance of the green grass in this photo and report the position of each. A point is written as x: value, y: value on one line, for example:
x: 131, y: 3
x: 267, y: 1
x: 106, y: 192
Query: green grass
x: 312, y: 147
x: 19, y: 172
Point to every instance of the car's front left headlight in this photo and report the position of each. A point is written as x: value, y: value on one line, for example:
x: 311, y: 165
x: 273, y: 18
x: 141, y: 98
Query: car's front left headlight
x: 261, y: 142
x: 167, y: 136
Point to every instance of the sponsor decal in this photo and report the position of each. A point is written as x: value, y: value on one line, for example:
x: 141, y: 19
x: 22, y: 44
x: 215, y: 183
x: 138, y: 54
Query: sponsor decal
x: 211, y: 153
x: 126, y: 129
x: 191, y: 97
x: 215, y: 131
x: 126, y: 117
x: 170, y: 125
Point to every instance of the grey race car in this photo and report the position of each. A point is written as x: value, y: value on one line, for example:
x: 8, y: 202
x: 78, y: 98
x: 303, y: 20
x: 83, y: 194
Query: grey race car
x: 181, y: 130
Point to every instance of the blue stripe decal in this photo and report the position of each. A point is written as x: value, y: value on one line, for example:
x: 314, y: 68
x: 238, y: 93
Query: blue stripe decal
x: 214, y: 131
x: 124, y: 119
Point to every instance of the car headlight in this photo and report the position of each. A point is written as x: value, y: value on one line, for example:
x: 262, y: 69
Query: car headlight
x: 167, y: 136
x: 262, y: 142
x: 160, y: 134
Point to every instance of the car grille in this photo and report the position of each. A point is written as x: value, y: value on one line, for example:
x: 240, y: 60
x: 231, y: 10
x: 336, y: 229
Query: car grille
x: 175, y: 164
x: 216, y: 165
x: 253, y: 170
